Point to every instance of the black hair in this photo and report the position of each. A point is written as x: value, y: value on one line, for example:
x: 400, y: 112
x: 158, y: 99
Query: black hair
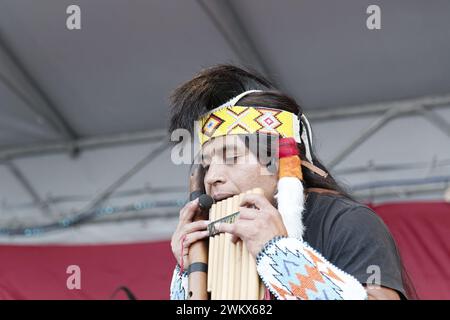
x: 216, y: 85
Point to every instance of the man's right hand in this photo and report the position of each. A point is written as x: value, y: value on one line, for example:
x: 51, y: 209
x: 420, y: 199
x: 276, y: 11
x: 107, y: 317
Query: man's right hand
x: 188, y: 232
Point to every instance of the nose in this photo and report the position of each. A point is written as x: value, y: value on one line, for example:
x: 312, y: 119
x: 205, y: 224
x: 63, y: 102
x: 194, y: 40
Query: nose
x: 215, y: 175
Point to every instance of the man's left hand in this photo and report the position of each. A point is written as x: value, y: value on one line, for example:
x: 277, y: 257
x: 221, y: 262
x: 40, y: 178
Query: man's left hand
x: 258, y: 222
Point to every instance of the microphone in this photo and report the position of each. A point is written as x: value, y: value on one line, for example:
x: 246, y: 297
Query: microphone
x: 205, y: 202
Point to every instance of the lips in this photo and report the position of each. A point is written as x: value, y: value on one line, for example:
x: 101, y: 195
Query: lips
x: 221, y: 196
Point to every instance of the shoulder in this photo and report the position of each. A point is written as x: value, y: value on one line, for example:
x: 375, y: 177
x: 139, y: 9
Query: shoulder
x: 353, y: 226
x: 342, y: 216
x: 344, y: 209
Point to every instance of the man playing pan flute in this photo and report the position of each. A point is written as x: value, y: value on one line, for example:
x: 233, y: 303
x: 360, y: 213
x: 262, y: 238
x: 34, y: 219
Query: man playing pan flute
x: 310, y: 239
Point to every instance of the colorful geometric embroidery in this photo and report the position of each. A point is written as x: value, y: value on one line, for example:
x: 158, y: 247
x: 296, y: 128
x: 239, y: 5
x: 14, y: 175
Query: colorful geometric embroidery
x: 293, y: 270
x: 179, y: 285
x: 211, y: 125
x: 238, y: 117
x: 268, y: 120
x: 248, y: 120
x: 300, y: 276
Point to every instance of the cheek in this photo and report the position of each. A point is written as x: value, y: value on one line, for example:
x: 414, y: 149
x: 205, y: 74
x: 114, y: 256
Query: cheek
x: 242, y: 176
x: 254, y: 176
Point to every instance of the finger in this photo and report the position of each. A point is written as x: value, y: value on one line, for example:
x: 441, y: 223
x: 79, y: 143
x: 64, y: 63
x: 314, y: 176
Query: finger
x: 195, y: 226
x: 247, y: 213
x: 189, y: 210
x: 226, y: 227
x: 185, y: 252
x: 237, y: 229
x: 257, y: 200
x: 240, y: 229
x: 194, y: 237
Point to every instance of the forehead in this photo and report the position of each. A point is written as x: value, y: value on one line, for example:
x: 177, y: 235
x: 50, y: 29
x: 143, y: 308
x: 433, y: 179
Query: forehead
x: 230, y: 142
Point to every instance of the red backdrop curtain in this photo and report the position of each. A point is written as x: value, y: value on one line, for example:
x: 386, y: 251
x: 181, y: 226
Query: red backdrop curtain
x: 421, y: 229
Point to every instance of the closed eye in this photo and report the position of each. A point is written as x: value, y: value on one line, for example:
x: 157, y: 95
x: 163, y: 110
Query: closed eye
x: 233, y: 159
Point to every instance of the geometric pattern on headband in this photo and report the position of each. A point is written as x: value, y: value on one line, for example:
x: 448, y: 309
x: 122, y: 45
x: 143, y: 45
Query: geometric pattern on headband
x: 248, y: 120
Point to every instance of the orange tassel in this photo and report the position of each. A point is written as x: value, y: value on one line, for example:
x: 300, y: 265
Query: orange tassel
x: 290, y: 167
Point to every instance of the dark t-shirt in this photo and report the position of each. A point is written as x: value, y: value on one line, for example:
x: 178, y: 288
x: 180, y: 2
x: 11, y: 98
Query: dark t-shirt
x: 352, y: 237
